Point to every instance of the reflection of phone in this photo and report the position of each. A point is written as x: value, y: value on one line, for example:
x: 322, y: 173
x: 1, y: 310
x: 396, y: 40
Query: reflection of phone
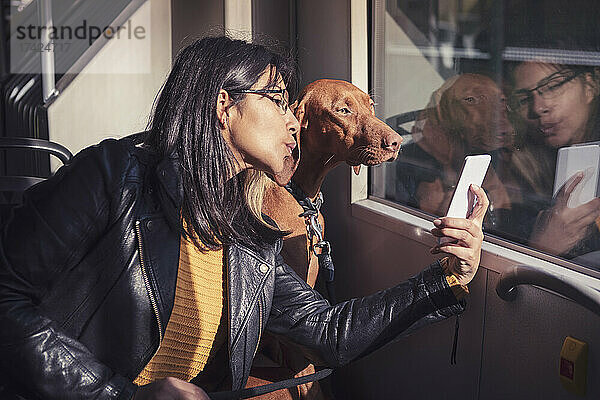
x: 463, y: 202
x: 571, y: 160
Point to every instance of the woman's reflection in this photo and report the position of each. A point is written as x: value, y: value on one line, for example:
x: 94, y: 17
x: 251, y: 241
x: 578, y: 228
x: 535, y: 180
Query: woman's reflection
x: 557, y: 106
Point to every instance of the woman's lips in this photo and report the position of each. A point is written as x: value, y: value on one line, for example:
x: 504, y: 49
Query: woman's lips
x: 549, y: 129
x: 290, y: 147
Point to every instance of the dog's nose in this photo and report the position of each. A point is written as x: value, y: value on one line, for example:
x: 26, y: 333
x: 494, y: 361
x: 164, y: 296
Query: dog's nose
x: 391, y: 141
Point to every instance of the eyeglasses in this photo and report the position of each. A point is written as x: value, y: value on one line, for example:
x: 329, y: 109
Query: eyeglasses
x: 549, y: 88
x: 280, y: 102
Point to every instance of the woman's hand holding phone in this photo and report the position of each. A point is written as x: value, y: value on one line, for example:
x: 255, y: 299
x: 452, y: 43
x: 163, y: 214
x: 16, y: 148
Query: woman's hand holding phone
x: 466, y: 236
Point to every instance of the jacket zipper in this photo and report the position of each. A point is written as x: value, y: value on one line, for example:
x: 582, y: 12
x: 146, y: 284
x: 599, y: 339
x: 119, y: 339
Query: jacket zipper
x: 259, y: 326
x: 147, y: 280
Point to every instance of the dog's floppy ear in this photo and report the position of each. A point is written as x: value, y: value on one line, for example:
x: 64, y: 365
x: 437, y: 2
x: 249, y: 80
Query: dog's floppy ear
x: 299, y: 110
x: 439, y: 109
x: 445, y: 111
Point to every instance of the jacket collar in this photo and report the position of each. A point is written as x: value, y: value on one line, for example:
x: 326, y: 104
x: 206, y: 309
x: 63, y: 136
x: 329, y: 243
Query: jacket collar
x: 166, y: 173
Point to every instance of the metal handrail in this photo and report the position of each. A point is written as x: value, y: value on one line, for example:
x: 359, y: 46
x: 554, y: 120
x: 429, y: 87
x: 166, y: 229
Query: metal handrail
x: 580, y: 293
x: 18, y: 183
x: 55, y: 149
x: 47, y: 57
x: 94, y: 49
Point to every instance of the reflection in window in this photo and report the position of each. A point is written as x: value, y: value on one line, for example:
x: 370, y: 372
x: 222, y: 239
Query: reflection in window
x: 518, y: 80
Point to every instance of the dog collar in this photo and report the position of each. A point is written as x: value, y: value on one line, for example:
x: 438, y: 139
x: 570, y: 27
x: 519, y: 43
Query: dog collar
x: 310, y: 215
x: 310, y: 207
x: 315, y: 230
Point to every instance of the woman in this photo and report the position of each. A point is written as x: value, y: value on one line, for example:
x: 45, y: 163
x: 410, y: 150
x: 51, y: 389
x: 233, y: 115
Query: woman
x: 145, y: 267
x: 558, y: 106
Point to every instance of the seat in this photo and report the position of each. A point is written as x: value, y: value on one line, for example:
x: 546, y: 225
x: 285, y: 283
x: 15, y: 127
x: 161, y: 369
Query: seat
x: 397, y: 121
x: 12, y: 187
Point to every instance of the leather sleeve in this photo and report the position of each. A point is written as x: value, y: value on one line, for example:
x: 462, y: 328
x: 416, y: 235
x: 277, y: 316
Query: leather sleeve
x: 336, y: 335
x: 59, y: 221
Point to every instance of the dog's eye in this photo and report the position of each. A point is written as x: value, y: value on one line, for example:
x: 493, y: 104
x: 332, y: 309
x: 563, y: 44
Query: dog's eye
x: 344, y: 110
x: 472, y: 100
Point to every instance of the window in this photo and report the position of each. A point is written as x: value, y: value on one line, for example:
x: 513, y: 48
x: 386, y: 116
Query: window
x: 519, y: 80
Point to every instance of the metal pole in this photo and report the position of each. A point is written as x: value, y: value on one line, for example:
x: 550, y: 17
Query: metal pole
x: 4, y: 64
x: 497, y: 40
x: 238, y: 19
x: 47, y: 49
x: 293, y: 29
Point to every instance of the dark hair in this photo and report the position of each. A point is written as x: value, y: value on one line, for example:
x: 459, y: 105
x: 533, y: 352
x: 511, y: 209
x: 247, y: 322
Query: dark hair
x: 185, y: 126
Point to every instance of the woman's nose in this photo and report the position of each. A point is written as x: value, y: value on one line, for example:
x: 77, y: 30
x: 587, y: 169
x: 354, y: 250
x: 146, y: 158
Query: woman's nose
x: 292, y: 122
x: 538, y: 106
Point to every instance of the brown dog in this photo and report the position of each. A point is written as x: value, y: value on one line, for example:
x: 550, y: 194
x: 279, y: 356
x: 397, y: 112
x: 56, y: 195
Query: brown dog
x: 338, y: 124
x: 472, y: 108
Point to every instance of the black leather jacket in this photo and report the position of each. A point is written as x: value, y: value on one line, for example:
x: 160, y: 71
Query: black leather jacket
x: 88, y: 267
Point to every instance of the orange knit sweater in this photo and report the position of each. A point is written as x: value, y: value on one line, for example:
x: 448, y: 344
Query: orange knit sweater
x: 191, y: 339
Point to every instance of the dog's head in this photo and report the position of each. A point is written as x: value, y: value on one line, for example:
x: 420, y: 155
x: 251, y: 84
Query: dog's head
x: 473, y: 109
x: 337, y: 118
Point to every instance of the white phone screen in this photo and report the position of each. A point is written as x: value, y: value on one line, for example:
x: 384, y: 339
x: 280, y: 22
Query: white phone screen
x: 462, y: 203
x: 473, y: 172
x: 574, y: 159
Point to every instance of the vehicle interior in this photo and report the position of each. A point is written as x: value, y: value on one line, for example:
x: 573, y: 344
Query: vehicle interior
x: 452, y: 78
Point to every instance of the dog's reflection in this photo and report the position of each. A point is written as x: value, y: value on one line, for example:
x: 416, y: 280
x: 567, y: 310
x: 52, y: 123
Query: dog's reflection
x: 467, y: 115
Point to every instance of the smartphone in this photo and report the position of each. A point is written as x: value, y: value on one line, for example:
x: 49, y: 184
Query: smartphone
x: 463, y: 202
x: 473, y: 172
x: 570, y: 161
